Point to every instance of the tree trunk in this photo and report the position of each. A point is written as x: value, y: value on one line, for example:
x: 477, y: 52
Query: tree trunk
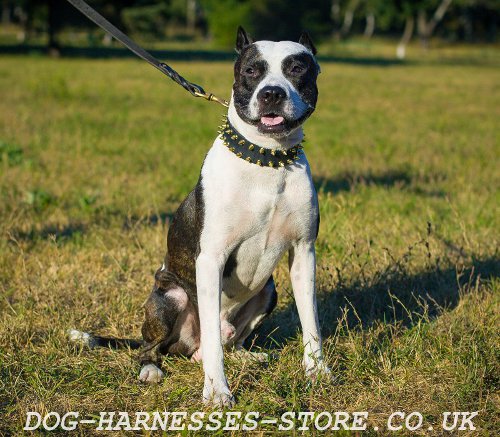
x: 370, y: 25
x: 53, y: 46
x: 434, y: 21
x: 348, y: 18
x: 406, y: 37
x: 190, y: 15
x: 335, y: 15
x: 438, y: 16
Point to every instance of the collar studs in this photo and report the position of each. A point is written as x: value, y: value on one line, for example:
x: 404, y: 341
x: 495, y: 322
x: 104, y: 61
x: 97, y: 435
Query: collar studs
x: 251, y: 147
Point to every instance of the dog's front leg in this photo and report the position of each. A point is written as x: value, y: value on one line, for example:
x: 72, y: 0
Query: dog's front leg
x: 302, y: 263
x: 208, y: 282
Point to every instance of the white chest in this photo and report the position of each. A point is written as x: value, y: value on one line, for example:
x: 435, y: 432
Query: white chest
x: 253, y: 215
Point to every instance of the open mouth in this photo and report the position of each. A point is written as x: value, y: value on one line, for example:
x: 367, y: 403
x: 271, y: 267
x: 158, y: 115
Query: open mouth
x: 272, y: 120
x: 272, y: 123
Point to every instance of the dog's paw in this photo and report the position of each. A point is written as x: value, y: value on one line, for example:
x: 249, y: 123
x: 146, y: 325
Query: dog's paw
x: 81, y: 338
x: 221, y: 398
x: 151, y: 374
x: 318, y: 371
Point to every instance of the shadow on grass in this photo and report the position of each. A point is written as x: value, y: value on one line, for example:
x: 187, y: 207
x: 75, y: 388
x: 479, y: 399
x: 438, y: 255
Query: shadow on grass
x: 175, y: 55
x: 60, y: 233
x: 389, y: 296
x: 393, y: 178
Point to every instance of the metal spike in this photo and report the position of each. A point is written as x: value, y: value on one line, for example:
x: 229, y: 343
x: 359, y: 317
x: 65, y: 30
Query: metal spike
x: 226, y: 143
x: 273, y: 152
x: 271, y: 164
x: 248, y: 159
x: 289, y: 161
x: 262, y: 151
x: 296, y: 158
x: 251, y: 147
x: 232, y: 149
x: 284, y: 152
x: 259, y: 162
x: 241, y: 142
x: 234, y: 137
x: 239, y: 154
x: 281, y: 163
x: 229, y: 131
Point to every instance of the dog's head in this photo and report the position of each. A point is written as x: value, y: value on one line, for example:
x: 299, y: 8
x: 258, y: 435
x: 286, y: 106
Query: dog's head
x: 275, y: 83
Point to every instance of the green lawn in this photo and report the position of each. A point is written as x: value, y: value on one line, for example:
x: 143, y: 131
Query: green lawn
x: 95, y: 156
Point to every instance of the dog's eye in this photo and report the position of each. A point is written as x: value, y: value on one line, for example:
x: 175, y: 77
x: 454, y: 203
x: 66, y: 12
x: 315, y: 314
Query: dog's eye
x: 249, y: 71
x: 297, y: 69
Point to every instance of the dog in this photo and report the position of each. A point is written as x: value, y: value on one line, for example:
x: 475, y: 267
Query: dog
x: 254, y: 201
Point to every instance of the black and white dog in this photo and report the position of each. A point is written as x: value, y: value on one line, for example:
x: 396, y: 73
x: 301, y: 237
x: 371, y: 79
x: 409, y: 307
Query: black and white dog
x: 254, y: 201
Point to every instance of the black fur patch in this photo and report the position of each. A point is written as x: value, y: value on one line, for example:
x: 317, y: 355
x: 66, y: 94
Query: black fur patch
x: 249, y: 70
x: 183, y: 240
x: 302, y: 71
x: 230, y: 265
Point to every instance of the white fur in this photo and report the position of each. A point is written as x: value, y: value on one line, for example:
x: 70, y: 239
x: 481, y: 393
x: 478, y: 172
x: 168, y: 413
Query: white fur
x: 83, y: 338
x: 274, y: 53
x: 263, y: 212
x: 151, y: 374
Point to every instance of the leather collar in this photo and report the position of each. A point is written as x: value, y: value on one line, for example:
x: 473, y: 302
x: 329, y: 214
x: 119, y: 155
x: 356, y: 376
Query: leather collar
x: 253, y: 154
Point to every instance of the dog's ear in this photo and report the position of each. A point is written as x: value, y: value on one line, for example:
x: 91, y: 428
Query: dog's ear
x: 242, y: 39
x: 306, y: 41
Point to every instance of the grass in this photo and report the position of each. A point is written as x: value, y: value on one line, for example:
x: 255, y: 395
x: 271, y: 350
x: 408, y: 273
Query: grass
x: 95, y: 156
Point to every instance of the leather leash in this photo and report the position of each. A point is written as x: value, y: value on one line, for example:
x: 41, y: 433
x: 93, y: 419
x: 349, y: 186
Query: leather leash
x: 195, y: 90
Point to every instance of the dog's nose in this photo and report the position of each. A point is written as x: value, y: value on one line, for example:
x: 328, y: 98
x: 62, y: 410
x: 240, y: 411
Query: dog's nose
x: 271, y: 95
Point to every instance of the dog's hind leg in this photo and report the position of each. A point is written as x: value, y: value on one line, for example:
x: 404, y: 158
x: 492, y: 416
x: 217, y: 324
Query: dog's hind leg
x: 252, y: 314
x: 170, y: 326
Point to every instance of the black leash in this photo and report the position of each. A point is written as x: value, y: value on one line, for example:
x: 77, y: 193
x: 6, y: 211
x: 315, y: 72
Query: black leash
x: 116, y: 33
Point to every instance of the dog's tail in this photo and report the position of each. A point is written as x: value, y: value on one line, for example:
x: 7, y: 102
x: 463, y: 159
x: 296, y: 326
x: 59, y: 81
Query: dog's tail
x: 93, y: 341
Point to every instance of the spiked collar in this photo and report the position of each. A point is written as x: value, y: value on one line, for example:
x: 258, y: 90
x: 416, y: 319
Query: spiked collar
x: 262, y: 156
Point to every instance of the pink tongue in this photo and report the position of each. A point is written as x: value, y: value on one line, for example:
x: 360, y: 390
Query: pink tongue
x: 272, y: 121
